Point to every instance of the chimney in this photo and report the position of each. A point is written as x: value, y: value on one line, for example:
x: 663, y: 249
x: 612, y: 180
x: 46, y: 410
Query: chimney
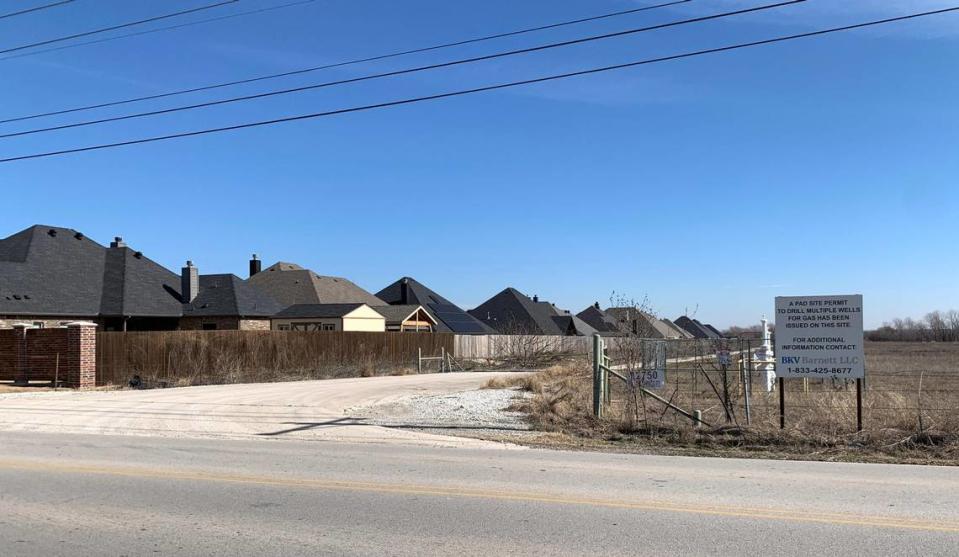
x: 118, y: 243
x: 596, y: 305
x: 405, y: 291
x: 255, y: 265
x: 189, y: 283
x: 535, y: 298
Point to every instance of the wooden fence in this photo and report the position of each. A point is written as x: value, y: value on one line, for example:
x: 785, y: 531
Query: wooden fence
x: 212, y: 357
x: 509, y: 347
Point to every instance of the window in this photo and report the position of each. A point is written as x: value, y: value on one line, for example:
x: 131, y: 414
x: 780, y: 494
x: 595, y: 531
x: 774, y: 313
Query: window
x: 38, y: 324
x: 284, y: 327
x: 329, y: 327
x: 208, y: 326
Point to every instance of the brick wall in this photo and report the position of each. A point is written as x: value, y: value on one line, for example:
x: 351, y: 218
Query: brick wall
x: 41, y: 355
x: 82, y: 356
x: 8, y: 354
x: 46, y: 354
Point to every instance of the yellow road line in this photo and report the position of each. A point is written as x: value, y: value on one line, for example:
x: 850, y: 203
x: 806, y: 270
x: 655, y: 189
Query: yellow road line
x: 423, y: 490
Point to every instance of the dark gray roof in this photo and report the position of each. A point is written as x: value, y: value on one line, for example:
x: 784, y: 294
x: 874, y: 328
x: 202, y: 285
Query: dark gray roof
x: 49, y: 270
x: 694, y: 327
x: 642, y: 323
x: 714, y: 330
x: 449, y: 317
x: 289, y: 284
x: 317, y: 311
x: 511, y: 312
x: 598, y: 319
x: 229, y: 295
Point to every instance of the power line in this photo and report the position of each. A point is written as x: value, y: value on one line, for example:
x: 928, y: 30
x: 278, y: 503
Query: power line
x: 401, y: 72
x: 347, y: 63
x: 35, y: 9
x: 463, y: 92
x: 115, y: 27
x: 159, y: 29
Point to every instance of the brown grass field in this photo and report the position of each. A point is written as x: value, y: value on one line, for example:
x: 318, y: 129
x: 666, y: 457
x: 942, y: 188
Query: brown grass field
x: 901, y: 421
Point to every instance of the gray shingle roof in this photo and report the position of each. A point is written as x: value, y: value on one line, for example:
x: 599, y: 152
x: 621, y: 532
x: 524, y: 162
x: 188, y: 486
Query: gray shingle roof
x: 694, y: 327
x: 397, y: 314
x: 646, y: 324
x: 49, y: 270
x: 683, y: 333
x: 449, y: 317
x: 289, y: 284
x: 229, y: 295
x: 716, y: 331
x: 598, y: 319
x: 317, y: 311
x: 511, y: 312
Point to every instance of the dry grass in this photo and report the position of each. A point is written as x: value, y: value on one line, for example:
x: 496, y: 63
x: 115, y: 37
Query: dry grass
x: 899, y: 423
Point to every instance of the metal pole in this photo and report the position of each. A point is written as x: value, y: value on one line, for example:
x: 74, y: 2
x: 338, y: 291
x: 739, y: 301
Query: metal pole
x: 782, y: 403
x: 746, y: 393
x: 859, y: 405
x: 419, y: 360
x: 729, y: 416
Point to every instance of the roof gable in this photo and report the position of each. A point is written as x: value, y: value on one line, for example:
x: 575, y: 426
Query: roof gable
x: 448, y: 316
x: 397, y: 314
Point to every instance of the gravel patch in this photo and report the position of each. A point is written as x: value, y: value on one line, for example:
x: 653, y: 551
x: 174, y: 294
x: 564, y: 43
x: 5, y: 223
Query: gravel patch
x: 484, y: 409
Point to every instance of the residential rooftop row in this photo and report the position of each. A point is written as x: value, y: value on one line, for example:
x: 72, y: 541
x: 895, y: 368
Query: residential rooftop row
x: 51, y: 275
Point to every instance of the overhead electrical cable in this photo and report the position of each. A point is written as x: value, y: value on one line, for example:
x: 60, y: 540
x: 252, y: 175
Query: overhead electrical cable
x: 35, y: 9
x: 374, y: 58
x: 463, y: 92
x: 401, y: 72
x: 157, y: 30
x: 115, y: 27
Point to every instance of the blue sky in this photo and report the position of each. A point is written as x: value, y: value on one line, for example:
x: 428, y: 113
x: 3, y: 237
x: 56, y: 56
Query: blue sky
x: 820, y: 166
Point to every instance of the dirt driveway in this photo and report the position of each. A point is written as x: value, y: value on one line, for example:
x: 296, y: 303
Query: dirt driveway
x: 307, y: 410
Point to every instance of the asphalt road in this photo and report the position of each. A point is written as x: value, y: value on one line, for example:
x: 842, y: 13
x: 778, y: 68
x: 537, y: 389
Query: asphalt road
x: 111, y: 495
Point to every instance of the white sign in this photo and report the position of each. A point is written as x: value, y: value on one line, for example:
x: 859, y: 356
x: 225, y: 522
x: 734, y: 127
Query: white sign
x: 819, y: 336
x: 653, y: 375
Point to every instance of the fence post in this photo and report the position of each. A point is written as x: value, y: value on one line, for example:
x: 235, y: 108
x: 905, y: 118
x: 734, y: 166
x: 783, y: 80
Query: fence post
x: 746, y: 394
x: 81, y: 364
x: 419, y: 361
x: 597, y: 376
x: 859, y: 405
x: 782, y: 403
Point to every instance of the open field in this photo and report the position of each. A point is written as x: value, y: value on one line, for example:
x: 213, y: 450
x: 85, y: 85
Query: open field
x: 910, y: 403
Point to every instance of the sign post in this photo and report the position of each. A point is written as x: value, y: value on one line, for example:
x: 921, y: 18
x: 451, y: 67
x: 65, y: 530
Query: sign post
x: 782, y: 403
x: 858, y: 405
x: 820, y: 337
